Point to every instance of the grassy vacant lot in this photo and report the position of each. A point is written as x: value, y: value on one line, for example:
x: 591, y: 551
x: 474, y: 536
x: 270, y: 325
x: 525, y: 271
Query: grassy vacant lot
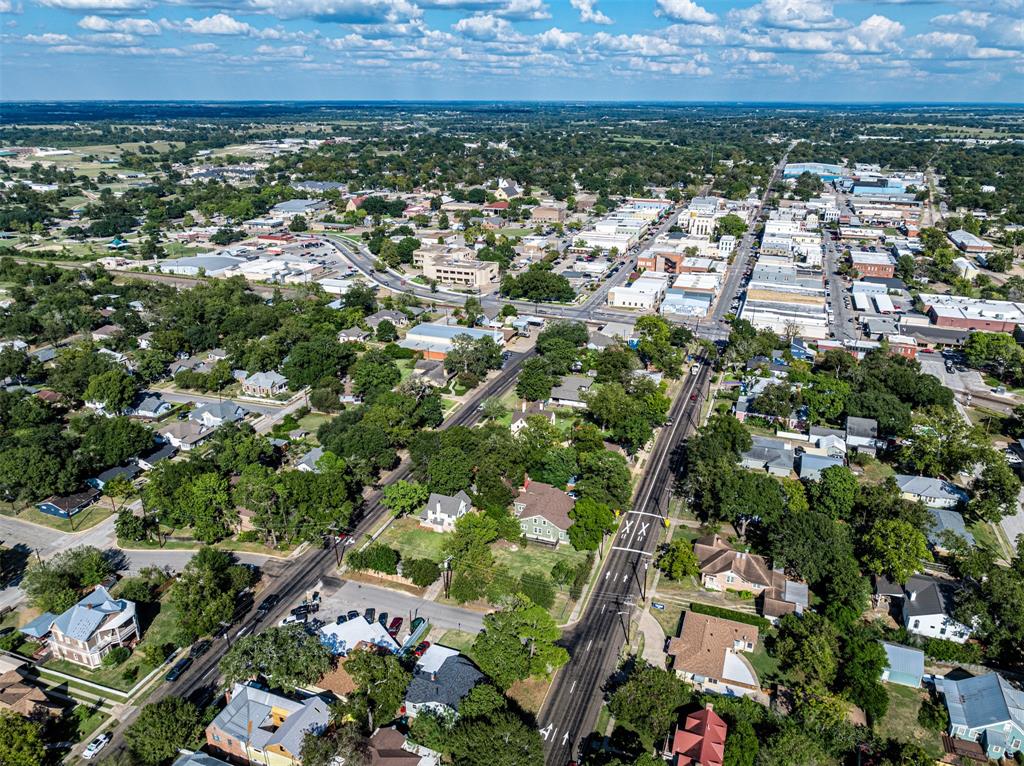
x: 414, y: 541
x: 539, y: 559
x: 900, y: 722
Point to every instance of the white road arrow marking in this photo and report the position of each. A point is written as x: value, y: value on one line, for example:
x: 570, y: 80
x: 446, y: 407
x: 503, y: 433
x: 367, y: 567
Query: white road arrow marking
x: 565, y: 738
x: 546, y: 731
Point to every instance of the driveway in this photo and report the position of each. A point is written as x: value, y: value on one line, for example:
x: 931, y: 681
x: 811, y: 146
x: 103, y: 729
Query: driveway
x: 353, y: 595
x: 1014, y: 525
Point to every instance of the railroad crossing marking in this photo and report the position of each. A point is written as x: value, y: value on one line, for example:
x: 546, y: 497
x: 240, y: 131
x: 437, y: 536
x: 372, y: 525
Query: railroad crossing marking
x: 631, y: 550
x: 645, y: 513
x: 643, y: 528
x: 627, y: 526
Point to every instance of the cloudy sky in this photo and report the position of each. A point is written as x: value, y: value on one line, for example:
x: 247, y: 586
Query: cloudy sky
x: 672, y: 50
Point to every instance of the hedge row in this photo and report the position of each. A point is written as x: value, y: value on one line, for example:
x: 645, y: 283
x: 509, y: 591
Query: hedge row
x: 728, y: 614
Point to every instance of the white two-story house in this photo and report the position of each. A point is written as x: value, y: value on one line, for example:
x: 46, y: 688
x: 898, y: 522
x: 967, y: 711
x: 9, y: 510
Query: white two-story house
x: 86, y: 632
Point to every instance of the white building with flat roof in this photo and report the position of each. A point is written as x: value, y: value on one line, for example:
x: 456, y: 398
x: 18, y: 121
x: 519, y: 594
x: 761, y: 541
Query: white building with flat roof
x: 646, y: 293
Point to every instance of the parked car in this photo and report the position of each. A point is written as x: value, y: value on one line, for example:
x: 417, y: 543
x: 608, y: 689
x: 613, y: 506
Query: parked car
x: 341, y: 618
x: 198, y: 650
x: 369, y: 613
x: 383, y: 619
x: 351, y: 615
x: 179, y: 667
x: 421, y: 648
x: 394, y: 626
x: 267, y: 604
x: 96, y: 745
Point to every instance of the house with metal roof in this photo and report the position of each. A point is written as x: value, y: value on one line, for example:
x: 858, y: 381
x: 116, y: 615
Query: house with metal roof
x: 988, y: 710
x: 309, y: 461
x: 569, y: 392
x: 904, y: 665
x: 199, y: 759
x: 935, y: 493
x: 357, y: 633
x: 435, y: 339
x: 811, y: 466
x: 258, y: 726
x: 440, y: 681
x: 766, y: 454
x: 945, y: 520
x: 264, y: 384
x: 86, y: 632
x: 216, y: 414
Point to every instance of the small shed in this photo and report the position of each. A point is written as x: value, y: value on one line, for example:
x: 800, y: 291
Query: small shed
x: 904, y: 665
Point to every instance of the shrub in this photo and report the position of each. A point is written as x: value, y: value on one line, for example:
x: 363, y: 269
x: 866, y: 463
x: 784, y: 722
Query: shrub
x: 950, y: 651
x: 933, y: 715
x: 580, y: 578
x: 129, y: 674
x: 422, y: 572
x: 248, y: 536
x: 116, y: 656
x: 377, y: 557
x: 728, y: 614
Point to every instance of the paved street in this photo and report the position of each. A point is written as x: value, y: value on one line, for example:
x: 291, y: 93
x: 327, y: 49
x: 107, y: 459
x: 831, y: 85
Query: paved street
x: 197, y: 398
x: 354, y: 595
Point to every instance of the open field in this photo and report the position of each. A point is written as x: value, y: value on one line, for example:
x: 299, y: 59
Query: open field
x: 900, y: 722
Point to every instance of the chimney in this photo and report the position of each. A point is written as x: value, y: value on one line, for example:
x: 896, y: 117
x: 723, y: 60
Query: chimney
x: 912, y: 595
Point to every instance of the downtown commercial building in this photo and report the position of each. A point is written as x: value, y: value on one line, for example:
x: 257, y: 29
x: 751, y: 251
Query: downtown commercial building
x: 787, y: 300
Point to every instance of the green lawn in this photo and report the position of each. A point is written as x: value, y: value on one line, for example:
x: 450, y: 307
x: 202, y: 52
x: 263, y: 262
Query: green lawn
x: 766, y: 666
x: 900, y: 722
x: 457, y: 639
x: 875, y: 471
x: 86, y: 519
x: 540, y: 559
x: 414, y: 541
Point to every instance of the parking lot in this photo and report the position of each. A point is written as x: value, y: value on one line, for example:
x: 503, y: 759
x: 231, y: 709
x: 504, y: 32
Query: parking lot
x: 967, y: 380
x: 359, y: 596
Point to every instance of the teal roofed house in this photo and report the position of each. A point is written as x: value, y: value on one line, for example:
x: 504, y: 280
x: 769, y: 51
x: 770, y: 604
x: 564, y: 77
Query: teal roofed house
x: 86, y: 632
x: 988, y: 710
x: 116, y: 244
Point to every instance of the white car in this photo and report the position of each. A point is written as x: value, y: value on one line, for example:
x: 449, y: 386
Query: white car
x: 96, y: 745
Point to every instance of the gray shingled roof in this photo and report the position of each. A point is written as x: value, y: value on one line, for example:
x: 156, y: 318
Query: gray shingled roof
x: 928, y: 488
x: 446, y: 505
x: 452, y: 681
x: 930, y: 596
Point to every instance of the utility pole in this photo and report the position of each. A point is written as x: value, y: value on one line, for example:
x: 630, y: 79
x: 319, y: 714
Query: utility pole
x: 447, y: 574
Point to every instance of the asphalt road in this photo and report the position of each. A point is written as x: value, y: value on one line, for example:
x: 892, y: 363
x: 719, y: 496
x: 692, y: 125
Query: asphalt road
x: 302, y: 574
x: 572, y: 705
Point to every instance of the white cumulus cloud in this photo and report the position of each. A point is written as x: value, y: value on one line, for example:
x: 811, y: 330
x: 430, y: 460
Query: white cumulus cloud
x: 589, y: 14
x: 484, y: 27
x: 686, y: 11
x: 145, y: 27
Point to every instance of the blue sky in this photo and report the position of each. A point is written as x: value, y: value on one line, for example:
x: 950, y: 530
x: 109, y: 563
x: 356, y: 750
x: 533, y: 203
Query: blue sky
x: 673, y: 50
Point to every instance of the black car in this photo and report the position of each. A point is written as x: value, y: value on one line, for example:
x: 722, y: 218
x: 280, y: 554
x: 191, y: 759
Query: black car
x: 268, y: 603
x: 341, y: 618
x: 199, y: 649
x: 369, y: 614
x: 352, y: 614
x: 179, y: 667
x: 383, y: 619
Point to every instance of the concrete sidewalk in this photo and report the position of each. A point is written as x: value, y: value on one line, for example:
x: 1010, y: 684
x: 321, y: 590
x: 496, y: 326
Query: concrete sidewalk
x: 654, y: 640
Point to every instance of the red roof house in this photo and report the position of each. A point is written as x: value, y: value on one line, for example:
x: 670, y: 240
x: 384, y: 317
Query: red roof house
x: 499, y: 205
x: 700, y: 741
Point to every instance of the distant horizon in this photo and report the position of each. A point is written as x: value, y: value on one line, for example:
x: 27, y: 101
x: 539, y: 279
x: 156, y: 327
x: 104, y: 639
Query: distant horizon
x: 595, y: 101
x: 528, y: 51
